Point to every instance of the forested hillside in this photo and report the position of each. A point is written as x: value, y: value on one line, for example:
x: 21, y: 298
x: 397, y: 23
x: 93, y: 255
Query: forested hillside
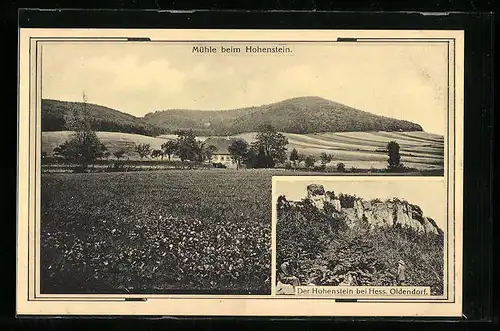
x: 297, y: 115
x: 56, y: 116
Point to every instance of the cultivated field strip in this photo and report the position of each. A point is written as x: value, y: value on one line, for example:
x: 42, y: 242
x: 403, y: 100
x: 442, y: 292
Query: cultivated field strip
x: 315, y: 142
x: 362, y: 149
x: 424, y: 136
x: 373, y: 141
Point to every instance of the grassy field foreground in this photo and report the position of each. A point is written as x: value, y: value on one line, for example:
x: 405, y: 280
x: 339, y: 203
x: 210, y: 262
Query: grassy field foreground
x: 166, y: 231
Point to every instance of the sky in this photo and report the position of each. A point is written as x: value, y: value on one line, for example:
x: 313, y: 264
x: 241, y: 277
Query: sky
x: 430, y: 195
x: 404, y: 81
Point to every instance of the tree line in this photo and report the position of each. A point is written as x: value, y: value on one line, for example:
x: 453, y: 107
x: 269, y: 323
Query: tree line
x: 268, y: 149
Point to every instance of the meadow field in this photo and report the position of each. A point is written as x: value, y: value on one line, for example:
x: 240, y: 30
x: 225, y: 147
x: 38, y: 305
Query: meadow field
x: 201, y: 231
x: 361, y: 150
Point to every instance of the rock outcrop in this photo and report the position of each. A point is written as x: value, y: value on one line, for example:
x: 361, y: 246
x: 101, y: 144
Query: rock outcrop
x: 376, y: 213
x: 318, y: 196
x: 391, y: 213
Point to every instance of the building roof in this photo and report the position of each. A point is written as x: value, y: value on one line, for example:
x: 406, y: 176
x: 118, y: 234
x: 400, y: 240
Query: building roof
x: 222, y: 144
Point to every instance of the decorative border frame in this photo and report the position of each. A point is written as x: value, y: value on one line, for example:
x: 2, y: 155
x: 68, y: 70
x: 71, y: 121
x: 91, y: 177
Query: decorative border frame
x: 29, y: 160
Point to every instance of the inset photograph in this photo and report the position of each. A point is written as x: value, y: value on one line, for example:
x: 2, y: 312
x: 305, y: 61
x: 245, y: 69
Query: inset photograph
x: 359, y: 232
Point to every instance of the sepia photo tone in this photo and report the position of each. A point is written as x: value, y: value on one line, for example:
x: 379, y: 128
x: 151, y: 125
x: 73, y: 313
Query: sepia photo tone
x: 157, y: 158
x: 152, y: 169
x: 360, y: 233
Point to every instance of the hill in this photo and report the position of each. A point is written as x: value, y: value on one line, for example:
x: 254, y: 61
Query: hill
x: 297, y: 115
x: 56, y: 114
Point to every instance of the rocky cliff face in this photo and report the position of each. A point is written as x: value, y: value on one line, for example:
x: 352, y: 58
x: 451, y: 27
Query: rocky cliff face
x: 391, y: 213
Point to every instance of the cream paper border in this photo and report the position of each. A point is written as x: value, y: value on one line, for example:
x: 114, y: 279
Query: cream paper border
x: 28, y: 176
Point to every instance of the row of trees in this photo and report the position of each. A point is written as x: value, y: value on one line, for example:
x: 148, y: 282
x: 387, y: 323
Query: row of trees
x: 85, y: 147
x: 268, y: 149
x: 310, y: 160
x: 186, y: 147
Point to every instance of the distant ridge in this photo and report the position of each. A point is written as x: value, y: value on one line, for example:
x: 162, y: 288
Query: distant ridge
x: 308, y: 114
x: 55, y: 116
x: 297, y: 115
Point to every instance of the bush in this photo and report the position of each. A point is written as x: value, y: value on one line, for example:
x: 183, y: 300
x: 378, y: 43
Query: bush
x: 309, y: 161
x: 219, y: 165
x: 340, y: 167
x: 320, y: 167
x: 402, y: 169
x: 79, y: 169
x: 347, y: 200
x: 304, y: 232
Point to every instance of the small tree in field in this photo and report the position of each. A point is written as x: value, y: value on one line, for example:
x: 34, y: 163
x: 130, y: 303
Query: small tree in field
x: 106, y: 155
x: 156, y: 153
x: 84, y: 146
x: 302, y: 158
x: 326, y: 158
x: 169, y: 148
x: 119, y: 153
x: 143, y: 150
x: 209, y: 152
x: 187, y: 147
x: 238, y: 150
x: 271, y: 143
x: 394, y: 160
x: 340, y: 167
x: 310, y: 160
x: 294, y: 158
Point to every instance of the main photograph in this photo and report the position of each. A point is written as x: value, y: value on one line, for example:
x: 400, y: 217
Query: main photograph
x: 157, y: 158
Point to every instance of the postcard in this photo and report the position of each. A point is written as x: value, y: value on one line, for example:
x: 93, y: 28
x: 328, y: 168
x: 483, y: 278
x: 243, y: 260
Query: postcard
x: 240, y: 172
